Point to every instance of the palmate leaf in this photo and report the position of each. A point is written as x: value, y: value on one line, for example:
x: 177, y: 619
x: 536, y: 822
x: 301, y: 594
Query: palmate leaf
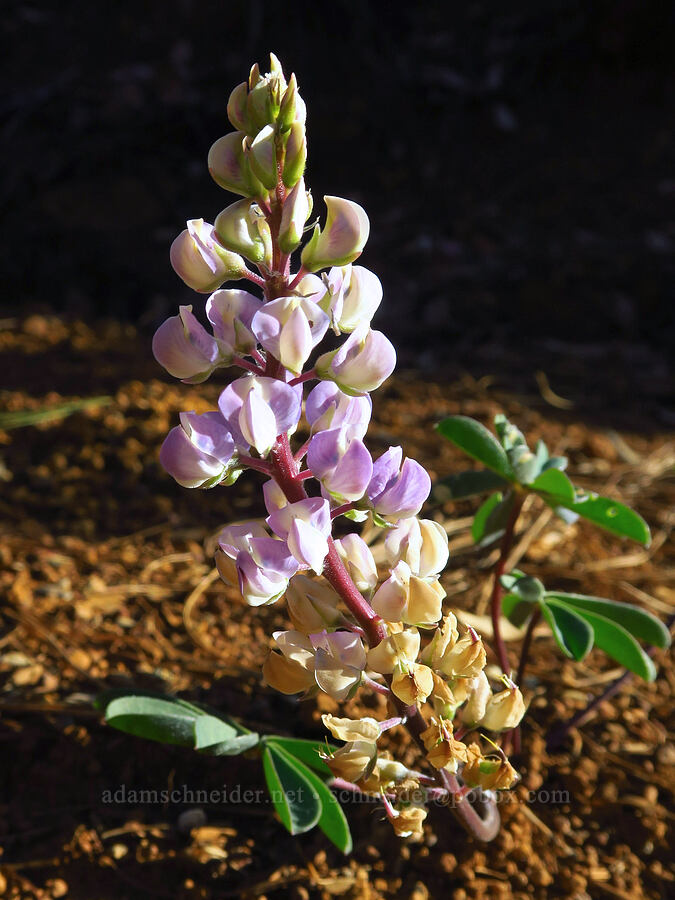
x: 169, y: 720
x: 306, y: 751
x: 553, y: 481
x: 608, y: 514
x: 149, y: 717
x: 477, y: 442
x: 640, y: 623
x: 572, y: 633
x: 293, y: 794
x: 332, y: 820
x: 620, y: 645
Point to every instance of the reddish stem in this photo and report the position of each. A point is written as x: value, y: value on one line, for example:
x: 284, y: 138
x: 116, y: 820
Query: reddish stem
x: 306, y: 376
x: 256, y: 279
x: 514, y: 734
x: 496, y: 598
x: 245, y: 364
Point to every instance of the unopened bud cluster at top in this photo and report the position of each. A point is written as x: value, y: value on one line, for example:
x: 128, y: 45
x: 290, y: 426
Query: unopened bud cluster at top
x: 272, y: 338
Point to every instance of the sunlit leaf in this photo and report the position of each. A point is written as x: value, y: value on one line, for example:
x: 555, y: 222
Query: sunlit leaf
x: 608, y: 514
x: 553, y: 481
x: 620, y: 645
x: 293, y: 794
x: 476, y: 441
x: 640, y: 623
x: 573, y: 634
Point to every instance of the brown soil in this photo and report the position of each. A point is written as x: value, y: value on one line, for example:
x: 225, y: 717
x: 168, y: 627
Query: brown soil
x: 100, y: 551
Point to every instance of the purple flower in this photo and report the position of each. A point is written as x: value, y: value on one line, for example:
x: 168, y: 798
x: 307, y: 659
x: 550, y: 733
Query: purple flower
x: 328, y: 407
x: 289, y: 328
x: 230, y: 313
x: 185, y: 348
x: 262, y: 564
x: 201, y: 261
x: 341, y: 462
x: 395, y: 491
x: 361, y: 364
x: 197, y: 453
x: 258, y: 409
x: 306, y: 527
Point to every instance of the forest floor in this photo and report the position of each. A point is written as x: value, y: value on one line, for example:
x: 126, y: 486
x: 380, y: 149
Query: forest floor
x: 100, y: 551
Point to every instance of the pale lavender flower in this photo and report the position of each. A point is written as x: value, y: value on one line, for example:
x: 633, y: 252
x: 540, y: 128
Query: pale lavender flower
x: 328, y: 407
x: 230, y: 313
x: 198, y: 452
x: 341, y: 462
x: 349, y: 294
x: 201, y: 261
x: 365, y: 360
x: 289, y: 328
x: 395, y: 491
x: 339, y: 661
x: 185, y: 348
x: 263, y: 565
x: 306, y: 527
x: 258, y: 410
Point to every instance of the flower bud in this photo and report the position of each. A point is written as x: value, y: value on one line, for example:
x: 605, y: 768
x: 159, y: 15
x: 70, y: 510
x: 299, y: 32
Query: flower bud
x: 229, y: 166
x: 236, y: 108
x: 292, y: 106
x: 343, y: 238
x: 295, y: 155
x: 413, y: 685
x: 421, y: 543
x: 262, y: 157
x: 265, y: 93
x: 200, y: 261
x: 489, y: 774
x: 359, y: 562
x: 293, y: 217
x: 241, y: 227
x: 365, y: 360
x: 185, y: 349
x: 365, y: 729
x: 312, y: 605
x: 505, y: 709
x: 198, y: 452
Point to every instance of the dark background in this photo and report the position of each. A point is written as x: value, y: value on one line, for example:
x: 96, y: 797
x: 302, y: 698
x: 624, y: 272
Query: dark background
x: 516, y: 159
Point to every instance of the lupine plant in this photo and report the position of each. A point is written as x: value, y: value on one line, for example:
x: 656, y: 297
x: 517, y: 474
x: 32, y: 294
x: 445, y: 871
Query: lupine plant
x: 353, y: 628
